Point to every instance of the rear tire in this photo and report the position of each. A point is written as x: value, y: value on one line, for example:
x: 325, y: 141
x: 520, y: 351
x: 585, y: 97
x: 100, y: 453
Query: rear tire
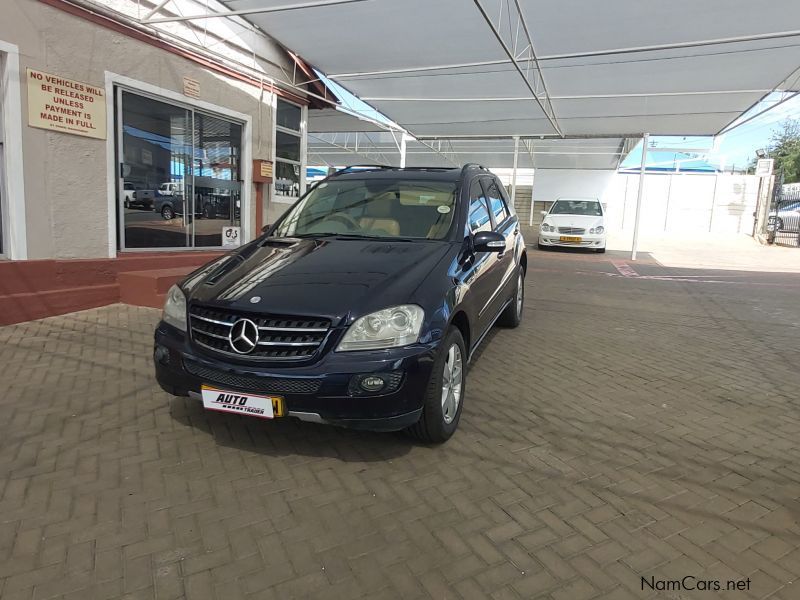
x: 167, y: 213
x: 512, y: 315
x: 444, y: 396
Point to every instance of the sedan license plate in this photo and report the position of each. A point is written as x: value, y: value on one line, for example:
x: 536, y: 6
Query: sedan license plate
x: 263, y: 407
x: 569, y: 238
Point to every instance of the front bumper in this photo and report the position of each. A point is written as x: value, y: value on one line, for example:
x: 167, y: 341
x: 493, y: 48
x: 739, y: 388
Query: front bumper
x: 586, y: 240
x: 322, y: 392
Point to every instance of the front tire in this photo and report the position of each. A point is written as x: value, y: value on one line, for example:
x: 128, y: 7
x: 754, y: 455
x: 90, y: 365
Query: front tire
x: 512, y: 315
x: 444, y: 396
x: 167, y: 213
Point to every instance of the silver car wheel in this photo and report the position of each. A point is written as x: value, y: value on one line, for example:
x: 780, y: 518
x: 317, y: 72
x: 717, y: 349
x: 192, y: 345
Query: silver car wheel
x: 520, y: 294
x: 452, y: 382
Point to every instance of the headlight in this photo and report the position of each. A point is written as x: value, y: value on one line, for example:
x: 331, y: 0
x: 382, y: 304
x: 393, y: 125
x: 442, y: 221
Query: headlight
x: 387, y: 328
x: 175, y: 308
x: 598, y: 229
x: 547, y: 227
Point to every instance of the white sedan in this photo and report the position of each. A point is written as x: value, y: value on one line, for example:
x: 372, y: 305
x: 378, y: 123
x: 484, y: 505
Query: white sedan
x: 575, y: 223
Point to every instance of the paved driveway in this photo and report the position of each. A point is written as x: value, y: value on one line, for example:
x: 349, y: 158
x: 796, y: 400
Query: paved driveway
x: 642, y: 423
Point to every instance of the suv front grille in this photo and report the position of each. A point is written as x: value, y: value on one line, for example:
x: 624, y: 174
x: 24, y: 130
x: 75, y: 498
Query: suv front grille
x: 571, y: 230
x: 252, y: 383
x: 279, y: 336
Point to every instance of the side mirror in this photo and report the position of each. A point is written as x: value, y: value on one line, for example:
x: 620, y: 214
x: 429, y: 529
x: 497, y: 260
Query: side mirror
x: 266, y: 228
x: 543, y: 213
x: 488, y: 241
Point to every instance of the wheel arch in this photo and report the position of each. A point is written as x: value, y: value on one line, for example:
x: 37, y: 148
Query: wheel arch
x: 460, y: 321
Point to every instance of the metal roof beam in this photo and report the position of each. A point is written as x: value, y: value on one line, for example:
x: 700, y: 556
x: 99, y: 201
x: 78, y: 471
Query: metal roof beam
x: 528, y: 65
x: 149, y: 20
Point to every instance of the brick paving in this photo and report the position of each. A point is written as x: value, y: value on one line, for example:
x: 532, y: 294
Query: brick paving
x: 631, y: 427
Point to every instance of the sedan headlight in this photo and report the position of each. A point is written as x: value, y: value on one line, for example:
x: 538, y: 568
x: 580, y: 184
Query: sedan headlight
x: 598, y: 229
x: 547, y: 227
x: 175, y: 308
x: 387, y: 328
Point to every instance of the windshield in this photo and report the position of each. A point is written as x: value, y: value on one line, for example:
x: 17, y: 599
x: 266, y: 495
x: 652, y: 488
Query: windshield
x: 588, y: 208
x: 380, y: 208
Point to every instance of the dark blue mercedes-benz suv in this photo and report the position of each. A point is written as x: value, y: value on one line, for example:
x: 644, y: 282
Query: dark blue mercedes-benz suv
x: 361, y: 306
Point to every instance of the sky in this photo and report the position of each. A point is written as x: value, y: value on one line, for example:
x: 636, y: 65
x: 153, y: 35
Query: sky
x: 736, y: 148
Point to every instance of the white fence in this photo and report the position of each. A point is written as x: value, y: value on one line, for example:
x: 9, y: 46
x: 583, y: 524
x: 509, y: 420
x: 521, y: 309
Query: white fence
x: 672, y: 202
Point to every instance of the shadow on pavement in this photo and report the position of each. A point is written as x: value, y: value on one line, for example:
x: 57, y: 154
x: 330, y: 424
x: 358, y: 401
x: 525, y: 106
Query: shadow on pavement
x: 290, y: 436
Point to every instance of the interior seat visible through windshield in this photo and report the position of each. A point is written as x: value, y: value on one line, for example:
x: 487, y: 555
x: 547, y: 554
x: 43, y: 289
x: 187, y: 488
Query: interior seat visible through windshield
x: 380, y: 208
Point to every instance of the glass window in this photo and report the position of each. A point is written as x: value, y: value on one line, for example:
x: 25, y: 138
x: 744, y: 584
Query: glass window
x: 287, y: 179
x: 180, y: 175
x: 289, y: 115
x: 497, y: 204
x: 590, y: 208
x: 379, y: 208
x: 288, y: 150
x: 287, y: 146
x: 478, y: 212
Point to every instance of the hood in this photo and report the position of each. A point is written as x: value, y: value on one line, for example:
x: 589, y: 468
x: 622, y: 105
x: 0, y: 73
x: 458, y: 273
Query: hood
x: 587, y: 222
x: 328, y: 278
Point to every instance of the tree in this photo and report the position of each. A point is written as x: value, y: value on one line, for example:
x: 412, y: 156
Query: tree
x: 785, y: 149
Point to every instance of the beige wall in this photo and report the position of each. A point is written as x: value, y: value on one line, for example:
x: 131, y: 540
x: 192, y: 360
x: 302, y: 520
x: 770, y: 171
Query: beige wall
x: 66, y: 176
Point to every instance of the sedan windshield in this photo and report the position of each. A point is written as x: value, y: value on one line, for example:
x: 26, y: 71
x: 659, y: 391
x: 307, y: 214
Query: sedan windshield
x: 379, y: 208
x: 588, y: 208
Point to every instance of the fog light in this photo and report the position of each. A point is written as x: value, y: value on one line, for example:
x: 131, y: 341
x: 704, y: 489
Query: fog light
x: 372, y: 383
x: 375, y: 383
x: 161, y: 355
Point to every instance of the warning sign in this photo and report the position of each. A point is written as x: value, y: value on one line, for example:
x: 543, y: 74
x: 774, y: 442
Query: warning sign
x: 65, y: 105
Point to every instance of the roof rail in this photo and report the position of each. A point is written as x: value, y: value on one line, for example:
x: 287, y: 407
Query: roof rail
x: 351, y: 167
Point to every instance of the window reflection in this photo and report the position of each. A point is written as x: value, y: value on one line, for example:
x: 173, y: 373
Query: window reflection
x: 180, y: 175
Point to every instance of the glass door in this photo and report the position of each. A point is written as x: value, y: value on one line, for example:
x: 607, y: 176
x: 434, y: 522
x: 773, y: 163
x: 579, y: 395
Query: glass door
x: 155, y: 172
x: 217, y: 169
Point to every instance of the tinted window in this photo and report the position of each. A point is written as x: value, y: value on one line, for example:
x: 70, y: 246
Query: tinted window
x: 497, y: 203
x: 478, y: 211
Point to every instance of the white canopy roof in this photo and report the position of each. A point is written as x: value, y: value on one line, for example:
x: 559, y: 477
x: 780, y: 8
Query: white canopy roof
x: 459, y: 68
x: 339, y: 149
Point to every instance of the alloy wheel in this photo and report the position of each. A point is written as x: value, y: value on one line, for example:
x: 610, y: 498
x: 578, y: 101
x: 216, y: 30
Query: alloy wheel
x: 452, y: 382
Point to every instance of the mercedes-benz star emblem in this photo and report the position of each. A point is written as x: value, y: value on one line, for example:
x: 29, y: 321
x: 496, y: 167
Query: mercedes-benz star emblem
x: 255, y: 299
x: 243, y: 336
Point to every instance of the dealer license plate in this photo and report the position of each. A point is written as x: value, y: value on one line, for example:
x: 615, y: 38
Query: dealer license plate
x: 263, y: 407
x: 569, y: 238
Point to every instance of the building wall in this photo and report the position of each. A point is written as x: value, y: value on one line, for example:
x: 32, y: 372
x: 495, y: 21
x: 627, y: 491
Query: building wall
x: 66, y: 176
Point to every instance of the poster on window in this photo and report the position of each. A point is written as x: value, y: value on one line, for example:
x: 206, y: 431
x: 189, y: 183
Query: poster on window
x: 65, y: 105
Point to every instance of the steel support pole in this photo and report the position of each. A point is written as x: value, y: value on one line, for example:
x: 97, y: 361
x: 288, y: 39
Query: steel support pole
x: 639, y: 193
x: 514, y: 173
x: 402, y: 150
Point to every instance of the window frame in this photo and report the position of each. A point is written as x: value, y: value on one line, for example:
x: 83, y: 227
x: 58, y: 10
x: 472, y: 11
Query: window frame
x: 302, y: 163
x: 116, y: 85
